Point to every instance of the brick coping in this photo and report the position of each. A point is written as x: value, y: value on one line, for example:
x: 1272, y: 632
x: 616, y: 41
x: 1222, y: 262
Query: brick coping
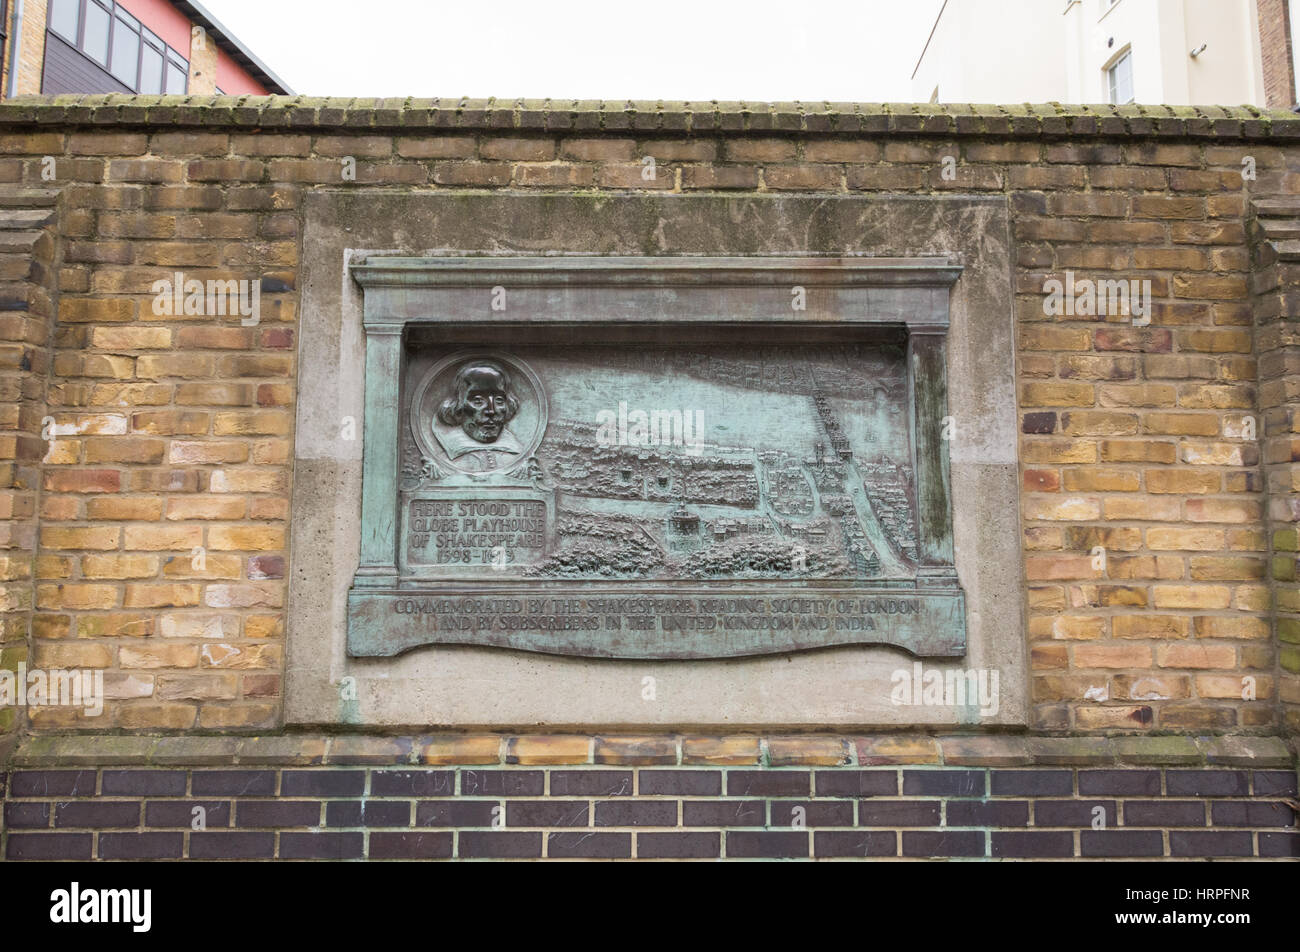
x: 648, y: 750
x: 663, y: 117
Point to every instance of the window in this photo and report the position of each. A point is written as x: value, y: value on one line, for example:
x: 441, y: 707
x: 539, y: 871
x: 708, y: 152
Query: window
x: 151, y: 64
x: 178, y: 70
x: 95, y: 41
x: 126, y: 48
x: 64, y: 15
x: 108, y: 34
x: 1120, y: 79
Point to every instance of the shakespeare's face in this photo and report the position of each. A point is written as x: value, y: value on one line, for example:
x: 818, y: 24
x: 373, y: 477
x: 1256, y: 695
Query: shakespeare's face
x: 482, y: 402
x: 486, y: 409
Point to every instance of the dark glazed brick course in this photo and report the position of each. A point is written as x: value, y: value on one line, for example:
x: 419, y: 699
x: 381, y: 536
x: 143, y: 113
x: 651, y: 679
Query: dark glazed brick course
x: 987, y: 813
x: 501, y: 844
x: 1164, y: 813
x: 155, y: 783
x: 323, y: 783
x: 898, y: 813
x: 250, y: 813
x: 52, y: 783
x: 1252, y: 813
x: 1279, y: 844
x: 1126, y: 783
x: 97, y: 813
x: 591, y: 783
x: 233, y: 783
x: 1073, y: 812
x: 678, y: 845
x: 1121, y: 843
x: 856, y: 783
x: 589, y: 845
x: 943, y: 783
x: 854, y: 843
x: 636, y: 813
x: 320, y: 845
x: 815, y: 812
x: 454, y: 812
x: 916, y: 843
x: 232, y: 845
x: 1032, y: 844
x: 1031, y: 783
x: 502, y: 783
x: 181, y: 812
x: 781, y: 845
x: 773, y: 783
x: 48, y: 846
x: 724, y: 813
x: 410, y: 845
x: 1209, y: 843
x: 1275, y: 783
x: 27, y: 815
x: 352, y: 813
x: 685, y: 783
x: 141, y: 845
x: 412, y: 783
x: 1204, y: 783
x: 547, y: 813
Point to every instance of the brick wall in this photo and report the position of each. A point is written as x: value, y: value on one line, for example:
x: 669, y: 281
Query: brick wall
x: 1276, y: 53
x: 474, y: 797
x: 165, y: 506
x: 28, y: 275
x: 147, y: 535
x: 1155, y: 458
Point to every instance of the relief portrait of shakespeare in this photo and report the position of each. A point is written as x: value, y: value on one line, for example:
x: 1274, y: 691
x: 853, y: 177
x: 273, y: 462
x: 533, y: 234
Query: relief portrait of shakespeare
x: 472, y: 424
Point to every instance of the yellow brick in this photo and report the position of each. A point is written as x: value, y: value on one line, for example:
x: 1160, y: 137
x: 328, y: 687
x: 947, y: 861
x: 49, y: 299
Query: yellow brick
x: 1181, y: 481
x: 1170, y: 538
x: 1196, y: 656
x: 124, y: 508
x: 246, y: 538
x: 1138, y: 451
x: 175, y: 538
x: 1233, y: 687
x: 98, y: 537
x: 1192, y: 596
x: 161, y: 595
x: 1235, y: 626
x: 1111, y: 656
x: 1057, y: 395
x: 1072, y: 509
x: 1137, y: 508
x: 1101, y: 480
x: 1149, y: 626
x: 76, y: 597
x: 119, y: 566
x: 130, y: 338
x: 159, y: 656
x: 1059, y: 451
x: 72, y: 655
x: 205, y: 507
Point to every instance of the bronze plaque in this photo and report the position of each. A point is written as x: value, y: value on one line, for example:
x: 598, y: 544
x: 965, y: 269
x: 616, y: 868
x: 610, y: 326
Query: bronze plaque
x: 649, y: 491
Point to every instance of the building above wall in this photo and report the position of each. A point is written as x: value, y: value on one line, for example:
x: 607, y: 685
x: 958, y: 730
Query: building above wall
x: 125, y: 46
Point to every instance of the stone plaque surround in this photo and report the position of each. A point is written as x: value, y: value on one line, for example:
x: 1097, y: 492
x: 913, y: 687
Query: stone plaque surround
x: 449, y: 685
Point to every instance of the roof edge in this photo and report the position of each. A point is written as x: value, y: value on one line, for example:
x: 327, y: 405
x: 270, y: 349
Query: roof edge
x: 233, y: 46
x: 669, y: 118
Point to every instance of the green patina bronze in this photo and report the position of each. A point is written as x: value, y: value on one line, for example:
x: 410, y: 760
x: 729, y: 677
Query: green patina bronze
x: 670, y: 458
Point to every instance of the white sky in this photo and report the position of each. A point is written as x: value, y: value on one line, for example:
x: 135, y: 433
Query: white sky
x: 809, y: 50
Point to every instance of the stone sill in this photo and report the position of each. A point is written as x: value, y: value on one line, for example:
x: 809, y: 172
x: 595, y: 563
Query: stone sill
x: 94, y: 750
x: 665, y: 118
